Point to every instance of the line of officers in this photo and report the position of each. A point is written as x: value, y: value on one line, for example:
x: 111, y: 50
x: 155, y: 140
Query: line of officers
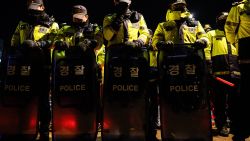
x: 226, y: 47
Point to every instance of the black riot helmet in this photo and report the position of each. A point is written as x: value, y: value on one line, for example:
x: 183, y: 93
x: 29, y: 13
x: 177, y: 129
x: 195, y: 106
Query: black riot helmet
x: 180, y: 2
x: 36, y: 5
x: 178, y: 5
x: 122, y: 6
x: 221, y: 20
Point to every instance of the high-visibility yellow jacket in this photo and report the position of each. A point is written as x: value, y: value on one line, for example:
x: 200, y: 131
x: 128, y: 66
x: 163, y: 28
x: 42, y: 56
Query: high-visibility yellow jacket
x: 238, y: 22
x: 25, y: 31
x: 169, y: 31
x: 136, y: 30
x: 91, y: 31
x: 221, y: 54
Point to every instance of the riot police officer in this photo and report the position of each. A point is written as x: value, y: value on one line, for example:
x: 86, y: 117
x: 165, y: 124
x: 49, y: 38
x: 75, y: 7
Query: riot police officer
x: 125, y: 26
x: 237, y: 31
x: 80, y: 32
x: 222, y: 58
x: 38, y: 30
x: 37, y: 25
x: 179, y: 27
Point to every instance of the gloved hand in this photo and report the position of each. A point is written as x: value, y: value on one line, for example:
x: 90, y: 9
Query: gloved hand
x: 200, y: 44
x: 129, y: 44
x: 116, y: 23
x: 87, y: 43
x: 163, y: 44
x: 61, y: 45
x: 134, y: 44
x: 138, y: 43
x: 43, y: 44
x: 170, y: 43
x: 45, y: 20
x: 78, y: 37
x: 29, y: 44
x: 93, y: 43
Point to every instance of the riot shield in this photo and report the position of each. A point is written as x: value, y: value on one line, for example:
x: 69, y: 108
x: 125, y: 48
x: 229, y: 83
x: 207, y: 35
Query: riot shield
x: 125, y: 108
x: 75, y: 95
x: 184, y: 104
x: 21, y: 94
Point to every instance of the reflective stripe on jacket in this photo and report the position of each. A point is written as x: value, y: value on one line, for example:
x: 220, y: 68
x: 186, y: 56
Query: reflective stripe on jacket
x: 222, y: 54
x: 166, y: 31
x: 136, y: 30
x: 238, y: 22
x: 25, y: 31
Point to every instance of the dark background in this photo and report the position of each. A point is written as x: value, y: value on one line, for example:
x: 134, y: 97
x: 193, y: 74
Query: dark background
x: 154, y: 11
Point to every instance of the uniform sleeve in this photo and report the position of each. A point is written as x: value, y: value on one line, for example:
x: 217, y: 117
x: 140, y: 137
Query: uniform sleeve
x: 158, y: 35
x: 15, y: 39
x: 99, y: 37
x: 54, y: 27
x: 53, y: 32
x: 207, y: 50
x: 100, y: 55
x: 108, y: 32
x: 143, y: 30
x: 201, y: 34
x: 232, y: 23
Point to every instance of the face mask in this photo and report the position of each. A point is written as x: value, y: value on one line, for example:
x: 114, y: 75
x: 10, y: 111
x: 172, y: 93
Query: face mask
x: 35, y: 12
x: 121, y: 8
x: 79, y: 23
x: 34, y: 15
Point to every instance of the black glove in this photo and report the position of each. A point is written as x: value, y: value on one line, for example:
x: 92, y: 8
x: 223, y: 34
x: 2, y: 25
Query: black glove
x: 200, y: 44
x: 116, y: 23
x: 135, y: 44
x: 138, y: 43
x: 93, y: 43
x: 87, y: 43
x: 29, y: 44
x: 46, y: 20
x: 78, y: 37
x: 61, y: 45
x: 43, y: 44
x: 163, y: 44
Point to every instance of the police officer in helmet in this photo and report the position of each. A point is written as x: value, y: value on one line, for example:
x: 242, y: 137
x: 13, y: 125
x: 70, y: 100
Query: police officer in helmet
x: 237, y: 29
x: 178, y: 26
x: 80, y: 29
x: 125, y: 26
x: 37, y: 30
x: 221, y: 57
x: 36, y: 26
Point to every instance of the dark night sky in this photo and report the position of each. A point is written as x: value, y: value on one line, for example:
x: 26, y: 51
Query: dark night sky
x: 153, y: 10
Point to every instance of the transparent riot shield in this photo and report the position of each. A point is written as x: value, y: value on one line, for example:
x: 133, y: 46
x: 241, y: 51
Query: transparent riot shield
x: 184, y: 103
x: 75, y: 95
x: 21, y: 94
x: 125, y: 105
